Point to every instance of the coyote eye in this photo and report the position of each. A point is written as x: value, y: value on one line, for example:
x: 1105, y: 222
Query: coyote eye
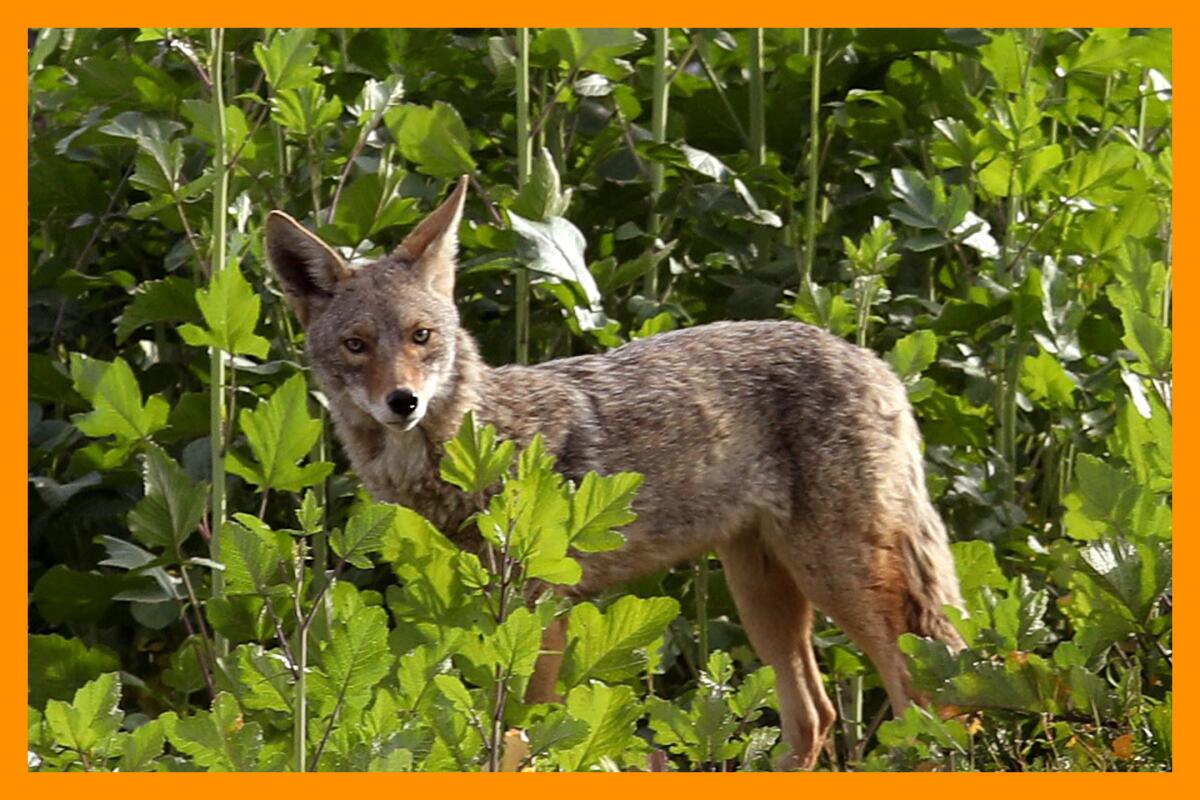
x: 421, y: 335
x: 355, y: 345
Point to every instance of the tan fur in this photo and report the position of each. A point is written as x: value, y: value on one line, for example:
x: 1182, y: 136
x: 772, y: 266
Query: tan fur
x: 789, y: 451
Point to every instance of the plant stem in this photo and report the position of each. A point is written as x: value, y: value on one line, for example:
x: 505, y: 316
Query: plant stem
x: 300, y: 704
x: 658, y: 128
x: 758, y: 119
x: 217, y: 409
x: 701, y: 588
x: 814, y: 149
x: 524, y: 167
x: 719, y: 88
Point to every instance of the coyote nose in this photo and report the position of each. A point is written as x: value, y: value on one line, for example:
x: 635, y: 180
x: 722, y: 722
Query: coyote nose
x: 402, y: 402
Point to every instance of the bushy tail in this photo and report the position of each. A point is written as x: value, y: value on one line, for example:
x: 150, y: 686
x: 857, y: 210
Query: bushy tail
x: 932, y: 580
x: 928, y: 563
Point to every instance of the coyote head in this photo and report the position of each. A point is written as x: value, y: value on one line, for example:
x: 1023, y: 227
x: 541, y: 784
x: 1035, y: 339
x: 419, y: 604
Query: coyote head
x: 383, y: 334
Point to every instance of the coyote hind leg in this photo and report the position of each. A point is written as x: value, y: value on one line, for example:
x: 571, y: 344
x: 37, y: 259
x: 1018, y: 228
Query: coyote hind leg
x: 778, y: 619
x: 545, y: 672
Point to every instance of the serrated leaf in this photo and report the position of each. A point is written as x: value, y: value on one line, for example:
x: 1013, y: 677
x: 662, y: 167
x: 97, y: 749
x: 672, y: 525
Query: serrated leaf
x: 254, y: 555
x: 1045, y: 381
x: 58, y: 667
x: 171, y: 299
x: 173, y: 504
x: 608, y: 645
x: 355, y: 660
x: 474, y: 461
x: 116, y: 398
x: 219, y: 740
x: 230, y: 309
x: 91, y: 718
x: 287, y: 60
x: 363, y: 534
x: 599, y: 505
x: 141, y: 747
x: 515, y: 645
x: 280, y: 433
x: 611, y: 714
x: 557, y: 731
x: 912, y: 354
x: 266, y: 677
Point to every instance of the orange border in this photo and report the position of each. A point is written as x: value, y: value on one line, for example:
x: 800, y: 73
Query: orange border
x: 480, y: 13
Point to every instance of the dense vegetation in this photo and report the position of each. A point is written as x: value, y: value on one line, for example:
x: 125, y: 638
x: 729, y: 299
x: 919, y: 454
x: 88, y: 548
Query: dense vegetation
x: 210, y: 587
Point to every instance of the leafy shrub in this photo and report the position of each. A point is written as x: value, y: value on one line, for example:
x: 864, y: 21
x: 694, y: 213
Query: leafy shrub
x: 210, y: 587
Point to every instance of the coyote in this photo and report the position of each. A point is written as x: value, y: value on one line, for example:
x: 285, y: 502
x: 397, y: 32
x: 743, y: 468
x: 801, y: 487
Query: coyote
x: 790, y: 452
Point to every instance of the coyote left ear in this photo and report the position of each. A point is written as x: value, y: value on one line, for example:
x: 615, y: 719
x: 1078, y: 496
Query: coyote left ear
x: 434, y: 242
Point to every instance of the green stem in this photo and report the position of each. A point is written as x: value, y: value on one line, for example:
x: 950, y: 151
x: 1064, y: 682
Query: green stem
x: 814, y: 145
x: 524, y: 167
x: 758, y: 141
x: 658, y: 128
x: 300, y: 705
x: 719, y: 88
x: 702, y: 611
x: 217, y: 409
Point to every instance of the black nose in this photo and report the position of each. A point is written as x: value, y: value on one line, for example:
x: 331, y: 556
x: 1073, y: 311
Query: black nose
x: 402, y: 402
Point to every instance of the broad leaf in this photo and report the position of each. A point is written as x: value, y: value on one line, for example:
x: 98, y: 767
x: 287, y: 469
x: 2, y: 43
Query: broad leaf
x: 280, y: 432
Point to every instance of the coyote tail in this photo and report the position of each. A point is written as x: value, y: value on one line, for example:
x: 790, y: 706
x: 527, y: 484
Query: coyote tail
x: 928, y: 564
x: 932, y: 581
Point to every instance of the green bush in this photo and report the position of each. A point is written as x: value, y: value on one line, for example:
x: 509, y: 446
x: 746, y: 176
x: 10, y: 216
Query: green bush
x: 210, y: 587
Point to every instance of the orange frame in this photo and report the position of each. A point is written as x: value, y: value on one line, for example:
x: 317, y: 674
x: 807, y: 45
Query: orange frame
x: 14, y: 773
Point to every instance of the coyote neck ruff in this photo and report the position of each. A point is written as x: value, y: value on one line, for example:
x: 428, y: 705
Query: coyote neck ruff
x: 789, y: 451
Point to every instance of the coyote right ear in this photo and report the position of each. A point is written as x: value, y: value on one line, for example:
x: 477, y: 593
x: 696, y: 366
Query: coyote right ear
x: 308, y: 269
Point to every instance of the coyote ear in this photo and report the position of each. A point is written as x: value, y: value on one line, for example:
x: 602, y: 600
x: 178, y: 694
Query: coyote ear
x: 308, y: 269
x: 434, y: 242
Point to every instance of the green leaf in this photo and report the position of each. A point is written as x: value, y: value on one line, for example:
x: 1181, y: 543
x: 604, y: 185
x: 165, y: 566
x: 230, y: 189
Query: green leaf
x: 266, y: 677
x: 91, y: 718
x: 912, y: 354
x: 287, y: 61
x: 542, y: 196
x: 611, y: 714
x: 280, y: 433
x: 557, y: 731
x: 515, y: 645
x: 590, y: 49
x: 354, y: 661
x: 598, y: 506
x: 757, y: 691
x: 305, y: 112
x: 1004, y: 56
x: 171, y: 300
x: 1150, y: 340
x: 363, y: 534
x: 555, y: 247
x: 473, y: 461
x: 1045, y: 381
x: 141, y: 747
x: 230, y: 309
x: 1137, y: 573
x: 63, y: 594
x: 609, y: 645
x: 173, y: 504
x: 116, y: 398
x: 220, y: 740
x: 255, y: 556
x: 371, y: 204
x: 58, y: 667
x: 435, y: 139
